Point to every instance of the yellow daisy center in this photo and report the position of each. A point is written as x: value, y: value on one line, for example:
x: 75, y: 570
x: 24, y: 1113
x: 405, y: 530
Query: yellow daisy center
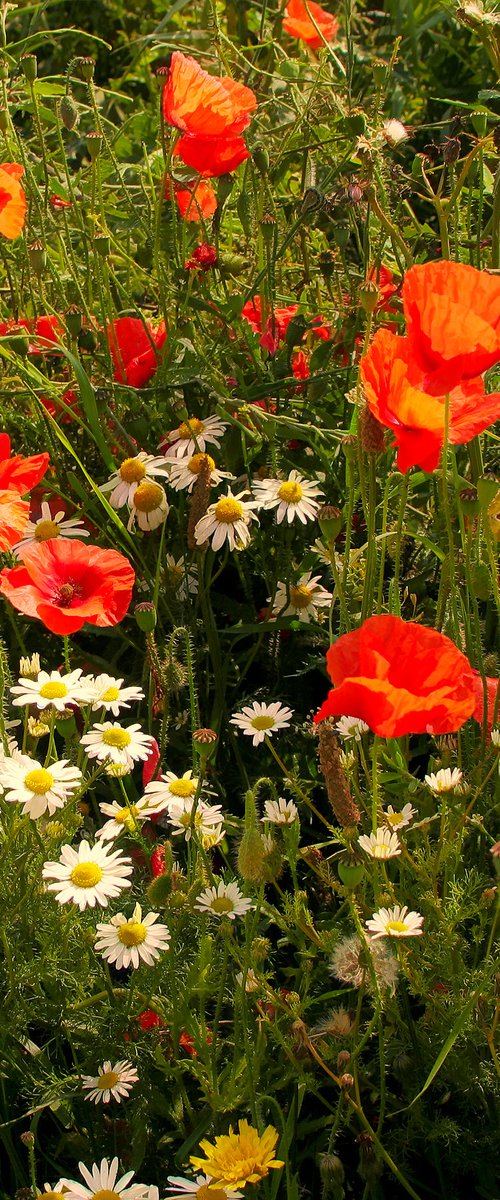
x: 108, y: 1080
x: 132, y: 470
x: 148, y: 496
x: 206, y: 1192
x: 116, y: 737
x: 222, y: 905
x: 86, y: 874
x: 396, y: 926
x: 45, y: 530
x: 126, y: 817
x: 112, y: 693
x: 106, y: 1194
x: 228, y: 510
x: 394, y: 818
x: 262, y: 722
x: 51, y: 1195
x: 195, y: 465
x: 182, y: 787
x: 132, y: 933
x: 290, y: 492
x: 300, y: 597
x: 53, y: 690
x: 192, y: 428
x: 39, y: 781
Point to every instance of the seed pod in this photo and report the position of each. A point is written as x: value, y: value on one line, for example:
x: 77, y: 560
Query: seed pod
x: 37, y: 257
x: 337, y: 785
x: 371, y: 432
x: 330, y: 521
x: 94, y: 144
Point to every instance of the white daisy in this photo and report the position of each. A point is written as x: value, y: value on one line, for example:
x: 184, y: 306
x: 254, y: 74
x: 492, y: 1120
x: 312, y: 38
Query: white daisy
x: 170, y: 788
x: 128, y: 942
x: 395, y: 922
x: 102, y: 1182
x: 51, y: 688
x: 185, y: 471
x: 444, y: 780
x: 181, y: 577
x: 301, y: 600
x: 203, y: 1187
x: 261, y: 720
x: 50, y: 526
x: 39, y: 789
x: 227, y: 520
x: 398, y: 820
x: 352, y: 727
x: 194, y: 435
x: 122, y: 746
x: 125, y: 480
x: 495, y: 738
x: 89, y: 875
x: 149, y: 506
x: 225, y: 900
x: 293, y: 497
x: 104, y: 691
x: 126, y: 817
x: 202, y: 821
x: 110, y: 1083
x: 382, y: 844
x: 280, y: 812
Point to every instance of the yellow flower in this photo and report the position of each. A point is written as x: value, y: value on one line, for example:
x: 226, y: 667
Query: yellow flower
x: 240, y: 1158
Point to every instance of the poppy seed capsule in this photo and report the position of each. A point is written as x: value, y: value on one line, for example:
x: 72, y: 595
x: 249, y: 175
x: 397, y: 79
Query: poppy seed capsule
x: 94, y: 143
x: 74, y: 320
x: 87, y: 67
x: 145, y: 615
x: 330, y: 521
x: 37, y: 258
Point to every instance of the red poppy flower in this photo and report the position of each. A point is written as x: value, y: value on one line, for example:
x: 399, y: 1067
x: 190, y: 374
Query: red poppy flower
x: 150, y: 1020
x: 66, y: 584
x: 300, y: 365
x: 202, y: 104
x: 400, y: 678
x: 54, y: 408
x: 47, y: 327
x: 212, y: 156
x: 387, y: 288
x: 134, y: 344
x: 298, y: 23
x: 58, y: 202
x: 453, y: 320
x: 20, y: 474
x: 14, y: 514
x: 492, y: 700
x: 12, y: 200
x: 150, y: 767
x: 397, y: 398
x: 202, y: 259
x: 196, y: 201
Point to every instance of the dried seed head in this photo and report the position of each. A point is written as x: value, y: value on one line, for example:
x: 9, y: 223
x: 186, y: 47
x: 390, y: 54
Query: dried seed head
x: 339, y: 793
x: 199, y: 504
x: 371, y: 432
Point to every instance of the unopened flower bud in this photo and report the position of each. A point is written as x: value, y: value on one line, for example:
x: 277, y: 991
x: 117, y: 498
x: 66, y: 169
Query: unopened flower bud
x: 343, y: 1057
x: 4, y: 120
x: 159, y: 891
x: 27, y: 1139
x: 68, y: 112
x: 261, y: 159
x: 371, y: 432
x: 252, y: 857
x: 346, y: 1082
x: 29, y: 67
x: 145, y: 615
x: 224, y: 189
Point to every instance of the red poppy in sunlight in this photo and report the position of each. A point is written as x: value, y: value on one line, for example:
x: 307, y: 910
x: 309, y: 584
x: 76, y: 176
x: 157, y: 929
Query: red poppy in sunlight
x: 212, y: 156
x: 252, y: 312
x: 150, y: 769
x: 453, y: 322
x: 20, y: 474
x: 66, y: 584
x: 49, y: 328
x: 400, y: 678
x: 300, y: 365
x: 492, y: 700
x: 397, y: 398
x: 134, y: 345
x: 14, y: 514
x: 387, y: 288
x: 55, y: 409
x: 202, y: 259
x: 202, y: 104
x: 12, y: 200
x: 196, y: 201
x: 298, y: 23
x: 150, y: 1020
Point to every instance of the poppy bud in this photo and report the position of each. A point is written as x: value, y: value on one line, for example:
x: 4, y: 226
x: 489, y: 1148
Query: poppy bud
x: 74, y: 320
x: 251, y: 857
x: 246, y: 213
x: 232, y: 264
x: 4, y: 120
x: 29, y: 67
x: 326, y: 263
x: 371, y: 432
x: 145, y: 615
x: 330, y: 521
x: 331, y: 1171
x: 159, y: 891
x: 261, y: 159
x: 481, y: 581
x: 37, y: 258
x: 224, y: 189
x: 68, y: 112
x: 494, y: 517
x: 94, y: 143
x: 368, y: 296
x: 355, y: 124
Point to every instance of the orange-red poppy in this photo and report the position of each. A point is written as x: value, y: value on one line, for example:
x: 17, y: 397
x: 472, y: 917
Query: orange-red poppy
x: 453, y: 322
x: 47, y: 327
x: 212, y: 156
x: 489, y: 699
x: 14, y: 515
x: 400, y: 678
x: 66, y: 584
x: 19, y: 474
x: 202, y: 259
x: 12, y: 200
x: 397, y: 397
x: 387, y: 287
x: 298, y: 23
x: 134, y: 346
x: 196, y: 201
x: 202, y: 104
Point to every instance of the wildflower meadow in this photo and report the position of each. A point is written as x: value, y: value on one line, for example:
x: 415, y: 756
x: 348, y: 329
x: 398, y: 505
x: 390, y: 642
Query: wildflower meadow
x: 249, y: 600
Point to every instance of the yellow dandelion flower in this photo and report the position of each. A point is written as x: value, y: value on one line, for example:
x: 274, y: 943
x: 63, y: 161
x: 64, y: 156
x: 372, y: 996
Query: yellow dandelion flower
x: 240, y: 1158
